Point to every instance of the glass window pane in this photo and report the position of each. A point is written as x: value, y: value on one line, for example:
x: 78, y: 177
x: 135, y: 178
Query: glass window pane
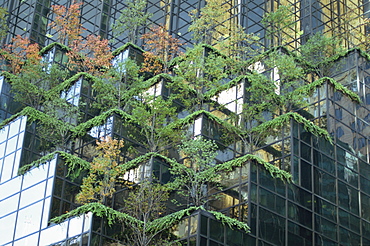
x: 32, y: 194
x: 9, y: 205
x: 7, y: 167
x: 53, y: 234
x: 28, y: 220
x: 29, y: 240
x: 7, y: 228
x: 34, y: 176
x: 11, y: 145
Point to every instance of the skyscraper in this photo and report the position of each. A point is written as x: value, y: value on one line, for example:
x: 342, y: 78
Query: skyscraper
x: 305, y: 182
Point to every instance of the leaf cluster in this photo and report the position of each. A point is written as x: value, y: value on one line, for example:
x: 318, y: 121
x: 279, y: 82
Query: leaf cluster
x: 103, y: 173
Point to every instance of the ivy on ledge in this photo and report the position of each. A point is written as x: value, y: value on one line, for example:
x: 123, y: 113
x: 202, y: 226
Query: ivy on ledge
x: 124, y: 47
x: 32, y: 115
x: 74, y: 163
x: 284, y: 119
x: 68, y: 83
x: 99, y: 210
x: 144, y: 158
x: 228, y: 166
x: 274, y: 171
x: 50, y: 46
x: 191, y: 117
x: 112, y: 216
x: 337, y: 86
x: 82, y: 128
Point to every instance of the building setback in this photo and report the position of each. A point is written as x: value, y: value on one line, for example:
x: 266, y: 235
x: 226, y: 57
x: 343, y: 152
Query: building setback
x: 306, y: 182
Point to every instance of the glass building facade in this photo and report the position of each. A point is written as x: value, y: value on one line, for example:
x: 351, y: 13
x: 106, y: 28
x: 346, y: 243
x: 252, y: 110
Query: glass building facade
x: 327, y: 202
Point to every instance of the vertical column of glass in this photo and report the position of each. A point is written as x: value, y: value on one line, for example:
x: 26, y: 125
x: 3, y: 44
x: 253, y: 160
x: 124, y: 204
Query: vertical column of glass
x: 11, y: 143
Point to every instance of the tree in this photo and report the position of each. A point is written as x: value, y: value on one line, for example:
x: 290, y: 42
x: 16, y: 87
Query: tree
x: 259, y: 106
x: 92, y: 55
x: 288, y: 78
x: 318, y: 53
x: 21, y: 52
x: 146, y: 203
x: 199, y: 70
x: 56, y: 130
x: 66, y: 22
x: 207, y: 24
x: 196, y: 174
x: 3, y: 23
x: 161, y: 48
x: 104, y: 173
x: 153, y: 114
x: 122, y: 84
x: 240, y: 47
x: 132, y: 18
x: 280, y: 25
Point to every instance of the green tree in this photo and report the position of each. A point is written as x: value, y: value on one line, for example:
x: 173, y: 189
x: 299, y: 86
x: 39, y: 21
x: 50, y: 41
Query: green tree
x: 207, y: 24
x: 240, y: 47
x: 280, y: 25
x: 318, y: 53
x: 200, y: 69
x: 3, y: 23
x: 146, y: 203
x: 153, y: 114
x: 194, y: 177
x: 288, y: 78
x: 56, y: 131
x: 259, y: 107
x: 122, y: 83
x: 132, y: 18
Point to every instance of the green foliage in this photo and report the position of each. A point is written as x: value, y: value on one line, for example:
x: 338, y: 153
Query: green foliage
x: 152, y: 114
x: 270, y: 126
x: 146, y: 202
x: 201, y: 70
x: 32, y: 86
x: 260, y: 103
x: 207, y: 23
x: 232, y: 223
x: 290, y: 79
x: 132, y: 18
x: 196, y: 172
x: 337, y: 86
x: 318, y: 53
x: 84, y: 127
x: 239, y: 47
x: 280, y: 25
x: 123, y: 83
x: 45, y: 49
x: 62, y: 116
x: 125, y: 47
x: 3, y: 23
x: 275, y: 172
x: 74, y: 163
x: 98, y: 210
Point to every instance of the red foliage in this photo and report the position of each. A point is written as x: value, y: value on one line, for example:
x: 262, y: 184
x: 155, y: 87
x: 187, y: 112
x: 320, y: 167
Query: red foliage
x: 21, y: 52
x: 161, y: 48
x: 92, y: 55
x: 67, y: 22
